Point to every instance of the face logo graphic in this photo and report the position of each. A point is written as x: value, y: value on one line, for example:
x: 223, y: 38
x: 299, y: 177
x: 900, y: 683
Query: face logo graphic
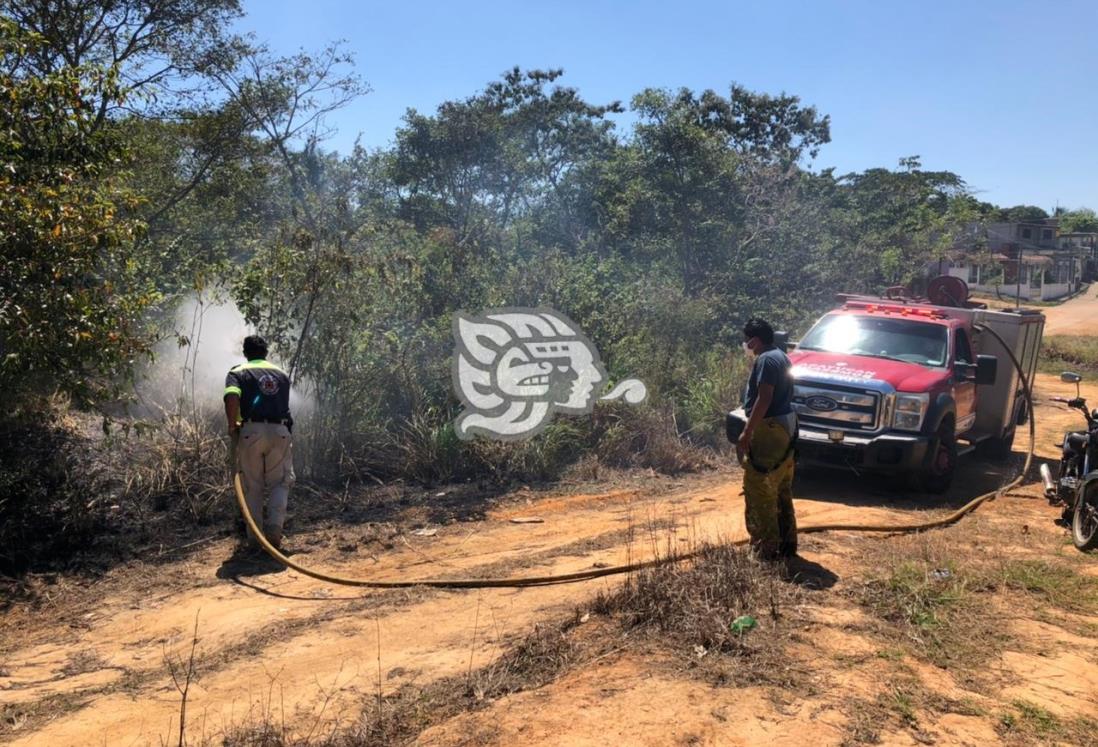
x: 268, y: 385
x: 514, y: 368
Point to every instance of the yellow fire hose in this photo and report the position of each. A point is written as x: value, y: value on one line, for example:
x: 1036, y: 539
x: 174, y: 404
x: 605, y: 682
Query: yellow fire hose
x: 565, y: 578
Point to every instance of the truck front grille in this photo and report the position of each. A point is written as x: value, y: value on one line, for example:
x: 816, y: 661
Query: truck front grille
x: 836, y: 406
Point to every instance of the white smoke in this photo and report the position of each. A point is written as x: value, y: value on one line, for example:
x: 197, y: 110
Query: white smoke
x: 195, y: 352
x: 188, y: 373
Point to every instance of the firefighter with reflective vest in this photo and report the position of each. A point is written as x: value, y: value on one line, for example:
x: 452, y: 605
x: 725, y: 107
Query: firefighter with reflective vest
x: 767, y: 443
x: 257, y: 407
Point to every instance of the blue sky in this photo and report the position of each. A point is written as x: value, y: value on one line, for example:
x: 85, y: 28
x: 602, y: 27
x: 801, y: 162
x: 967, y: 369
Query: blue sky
x: 1002, y: 93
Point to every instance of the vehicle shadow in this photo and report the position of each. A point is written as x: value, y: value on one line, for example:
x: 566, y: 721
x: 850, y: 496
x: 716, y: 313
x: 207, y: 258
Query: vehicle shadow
x: 974, y: 477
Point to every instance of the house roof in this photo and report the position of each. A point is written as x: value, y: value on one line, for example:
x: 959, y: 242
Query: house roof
x: 961, y: 256
x: 1032, y: 259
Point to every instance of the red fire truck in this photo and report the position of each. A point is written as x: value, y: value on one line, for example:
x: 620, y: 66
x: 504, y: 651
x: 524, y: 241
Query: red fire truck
x: 905, y: 386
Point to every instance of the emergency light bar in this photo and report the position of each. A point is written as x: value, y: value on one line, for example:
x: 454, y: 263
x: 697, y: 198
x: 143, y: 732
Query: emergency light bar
x: 881, y: 308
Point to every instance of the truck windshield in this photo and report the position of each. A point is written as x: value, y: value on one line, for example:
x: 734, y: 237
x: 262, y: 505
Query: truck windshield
x: 898, y: 339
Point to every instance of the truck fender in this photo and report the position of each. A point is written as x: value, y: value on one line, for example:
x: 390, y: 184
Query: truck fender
x: 939, y: 408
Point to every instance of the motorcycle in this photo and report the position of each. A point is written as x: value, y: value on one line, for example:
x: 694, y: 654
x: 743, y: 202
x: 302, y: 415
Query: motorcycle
x: 1076, y: 482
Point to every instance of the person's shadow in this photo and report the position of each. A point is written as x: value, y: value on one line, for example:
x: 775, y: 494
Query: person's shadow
x: 808, y: 573
x: 248, y: 562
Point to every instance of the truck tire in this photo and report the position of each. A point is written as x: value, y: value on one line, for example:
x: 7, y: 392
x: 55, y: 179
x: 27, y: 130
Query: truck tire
x: 941, y: 460
x: 998, y: 449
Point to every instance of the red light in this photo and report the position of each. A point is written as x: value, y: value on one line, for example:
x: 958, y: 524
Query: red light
x: 876, y: 308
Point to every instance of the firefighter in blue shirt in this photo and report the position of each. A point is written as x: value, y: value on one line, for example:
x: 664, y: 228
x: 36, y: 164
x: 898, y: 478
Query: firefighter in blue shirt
x: 257, y: 407
x: 768, y: 441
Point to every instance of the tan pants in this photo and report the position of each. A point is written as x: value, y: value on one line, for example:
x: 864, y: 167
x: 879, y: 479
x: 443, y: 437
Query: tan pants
x: 768, y: 497
x: 265, y: 456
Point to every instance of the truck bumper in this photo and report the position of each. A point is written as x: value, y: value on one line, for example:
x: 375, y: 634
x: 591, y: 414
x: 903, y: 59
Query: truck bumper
x: 885, y: 453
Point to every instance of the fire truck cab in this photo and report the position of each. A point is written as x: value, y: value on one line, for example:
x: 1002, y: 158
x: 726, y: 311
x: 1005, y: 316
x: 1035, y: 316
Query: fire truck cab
x: 898, y: 386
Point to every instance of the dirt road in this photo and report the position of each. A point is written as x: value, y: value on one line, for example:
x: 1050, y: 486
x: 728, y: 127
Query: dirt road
x: 1079, y: 316
x: 274, y: 647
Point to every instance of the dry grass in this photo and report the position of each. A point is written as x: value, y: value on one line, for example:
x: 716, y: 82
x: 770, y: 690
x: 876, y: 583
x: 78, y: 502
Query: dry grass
x: 1053, y: 584
x: 689, y: 609
x: 940, y: 600
x: 1028, y: 723
x: 424, y: 448
x: 79, y: 492
x: 1076, y: 353
x: 932, y: 596
x: 646, y: 437
x: 679, y: 607
x: 694, y: 603
x: 546, y: 652
x: 181, y: 464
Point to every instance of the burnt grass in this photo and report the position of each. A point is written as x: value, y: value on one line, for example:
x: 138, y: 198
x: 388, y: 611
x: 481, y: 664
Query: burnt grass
x: 78, y: 498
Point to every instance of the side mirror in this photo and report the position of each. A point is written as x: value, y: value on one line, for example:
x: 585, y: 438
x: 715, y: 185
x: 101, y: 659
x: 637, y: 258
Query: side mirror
x: 781, y: 340
x: 987, y: 370
x: 734, y: 423
x: 1072, y: 378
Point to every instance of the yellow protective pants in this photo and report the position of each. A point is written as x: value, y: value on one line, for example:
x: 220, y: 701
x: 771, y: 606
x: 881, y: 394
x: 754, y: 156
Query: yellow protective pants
x: 768, y: 492
x: 265, y: 455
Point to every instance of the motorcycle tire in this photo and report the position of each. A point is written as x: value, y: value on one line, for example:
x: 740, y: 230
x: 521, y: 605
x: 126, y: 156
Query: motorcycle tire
x: 1084, y: 520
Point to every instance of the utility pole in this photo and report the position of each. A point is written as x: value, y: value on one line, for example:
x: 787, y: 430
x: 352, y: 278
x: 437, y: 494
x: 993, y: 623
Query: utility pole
x: 1018, y: 278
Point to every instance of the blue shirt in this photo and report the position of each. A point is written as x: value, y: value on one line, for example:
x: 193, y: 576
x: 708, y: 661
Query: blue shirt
x: 771, y: 367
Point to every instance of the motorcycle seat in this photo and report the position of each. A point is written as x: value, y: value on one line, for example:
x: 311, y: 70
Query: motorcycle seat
x: 1076, y: 440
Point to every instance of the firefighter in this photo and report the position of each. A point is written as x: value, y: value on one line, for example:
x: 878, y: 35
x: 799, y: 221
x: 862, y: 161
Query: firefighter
x: 767, y: 442
x: 257, y: 407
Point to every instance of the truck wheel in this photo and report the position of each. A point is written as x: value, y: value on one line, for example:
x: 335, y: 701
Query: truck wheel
x: 998, y: 449
x: 937, y: 473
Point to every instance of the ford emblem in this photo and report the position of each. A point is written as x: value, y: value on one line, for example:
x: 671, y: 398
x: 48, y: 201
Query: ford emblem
x: 821, y: 404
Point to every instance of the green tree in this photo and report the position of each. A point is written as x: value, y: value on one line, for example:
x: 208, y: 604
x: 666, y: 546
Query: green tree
x: 1083, y: 220
x: 891, y: 224
x: 704, y: 176
x: 1022, y: 213
x: 481, y: 163
x: 72, y: 294
x: 157, y: 48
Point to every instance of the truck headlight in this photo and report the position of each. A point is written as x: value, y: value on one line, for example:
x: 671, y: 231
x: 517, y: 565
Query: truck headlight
x: 910, y: 411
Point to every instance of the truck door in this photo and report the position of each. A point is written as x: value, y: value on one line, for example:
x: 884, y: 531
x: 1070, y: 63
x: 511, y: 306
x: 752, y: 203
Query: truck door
x: 964, y: 392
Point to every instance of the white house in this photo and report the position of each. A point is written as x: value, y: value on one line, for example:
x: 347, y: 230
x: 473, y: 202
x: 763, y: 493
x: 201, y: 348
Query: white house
x: 1023, y: 259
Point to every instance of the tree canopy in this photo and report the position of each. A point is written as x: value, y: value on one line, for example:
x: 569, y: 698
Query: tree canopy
x: 148, y: 153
